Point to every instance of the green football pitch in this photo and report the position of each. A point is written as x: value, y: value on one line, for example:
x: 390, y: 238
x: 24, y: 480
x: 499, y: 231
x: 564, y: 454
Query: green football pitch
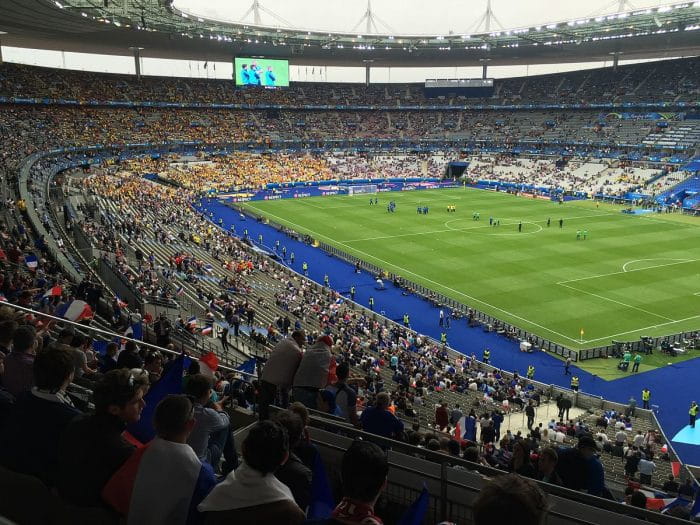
x: 634, y: 275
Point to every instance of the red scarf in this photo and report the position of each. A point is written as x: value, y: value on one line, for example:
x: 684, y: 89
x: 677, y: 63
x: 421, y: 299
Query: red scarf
x: 351, y: 511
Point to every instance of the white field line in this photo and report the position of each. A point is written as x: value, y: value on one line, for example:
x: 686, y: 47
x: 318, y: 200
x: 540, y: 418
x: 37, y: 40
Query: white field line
x: 471, y: 298
x: 643, y: 328
x: 617, y: 302
x: 466, y: 229
x: 684, y: 261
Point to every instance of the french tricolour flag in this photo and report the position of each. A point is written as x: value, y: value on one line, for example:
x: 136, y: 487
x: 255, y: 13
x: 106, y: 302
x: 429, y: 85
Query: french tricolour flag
x: 159, y: 464
x: 75, y: 311
x: 54, y: 291
x: 208, y: 364
x: 134, y: 331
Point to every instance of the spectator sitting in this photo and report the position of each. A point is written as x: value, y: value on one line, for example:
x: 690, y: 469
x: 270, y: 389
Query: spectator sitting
x: 252, y: 495
x: 547, y: 466
x: 18, y: 376
x: 671, y: 485
x: 29, y: 442
x: 108, y: 361
x: 510, y: 499
x: 379, y: 420
x: 129, y: 357
x: 92, y: 448
x: 168, y: 461
x: 211, y: 435
x: 363, y: 471
x: 638, y: 499
x: 294, y: 473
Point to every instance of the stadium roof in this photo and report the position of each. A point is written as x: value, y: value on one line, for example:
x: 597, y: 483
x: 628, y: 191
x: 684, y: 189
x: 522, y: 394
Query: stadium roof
x: 164, y: 31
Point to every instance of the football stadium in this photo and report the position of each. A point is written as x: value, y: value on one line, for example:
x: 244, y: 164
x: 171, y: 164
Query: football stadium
x: 273, y: 261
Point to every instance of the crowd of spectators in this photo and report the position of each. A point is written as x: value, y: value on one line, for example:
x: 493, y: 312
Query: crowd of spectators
x: 666, y: 80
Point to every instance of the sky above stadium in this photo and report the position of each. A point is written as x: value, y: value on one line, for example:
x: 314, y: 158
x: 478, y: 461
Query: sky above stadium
x: 437, y: 17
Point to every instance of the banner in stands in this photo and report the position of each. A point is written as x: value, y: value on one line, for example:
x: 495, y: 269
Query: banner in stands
x: 319, y: 189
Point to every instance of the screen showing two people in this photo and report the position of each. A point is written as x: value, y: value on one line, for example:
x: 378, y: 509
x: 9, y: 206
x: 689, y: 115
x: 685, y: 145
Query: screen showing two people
x: 262, y: 72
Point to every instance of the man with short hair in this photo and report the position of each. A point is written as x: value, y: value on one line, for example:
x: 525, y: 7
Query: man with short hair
x: 29, y: 442
x: 93, y: 447
x: 129, y: 357
x: 378, y: 420
x: 18, y: 376
x: 364, y: 472
x: 510, y: 499
x: 278, y: 373
x: 211, y: 435
x: 169, y: 461
x: 646, y: 469
x: 252, y: 495
x: 345, y: 396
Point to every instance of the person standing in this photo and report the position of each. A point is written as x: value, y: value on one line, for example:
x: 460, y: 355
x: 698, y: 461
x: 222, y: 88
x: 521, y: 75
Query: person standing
x: 637, y: 360
x: 575, y: 383
x: 530, y: 413
x: 279, y: 370
x: 646, y: 396
x: 693, y: 413
x: 313, y: 373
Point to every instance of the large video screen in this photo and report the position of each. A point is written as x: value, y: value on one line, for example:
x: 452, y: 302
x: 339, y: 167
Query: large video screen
x: 264, y: 72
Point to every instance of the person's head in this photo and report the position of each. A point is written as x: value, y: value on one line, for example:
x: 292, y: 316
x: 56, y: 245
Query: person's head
x: 342, y: 371
x: 7, y: 330
x: 53, y: 369
x: 193, y: 368
x: 65, y: 336
x: 547, y: 460
x: 300, y: 410
x: 638, y: 499
x: 299, y: 337
x: 587, y: 446
x: 24, y: 340
x: 293, y: 424
x: 471, y: 454
x: 364, y: 470
x: 383, y: 400
x: 173, y: 418
x: 120, y: 393
x: 153, y: 363
x: 112, y: 349
x: 199, y: 387
x: 266, y: 447
x: 510, y: 499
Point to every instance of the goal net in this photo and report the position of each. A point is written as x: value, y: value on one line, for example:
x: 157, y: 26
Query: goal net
x: 362, y: 188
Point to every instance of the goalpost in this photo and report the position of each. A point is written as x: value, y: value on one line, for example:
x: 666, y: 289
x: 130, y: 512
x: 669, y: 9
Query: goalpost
x: 362, y: 188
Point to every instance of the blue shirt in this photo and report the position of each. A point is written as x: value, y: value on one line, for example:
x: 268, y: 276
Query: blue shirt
x: 381, y: 422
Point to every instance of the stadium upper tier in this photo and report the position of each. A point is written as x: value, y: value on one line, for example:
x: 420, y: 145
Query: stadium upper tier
x: 670, y: 81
